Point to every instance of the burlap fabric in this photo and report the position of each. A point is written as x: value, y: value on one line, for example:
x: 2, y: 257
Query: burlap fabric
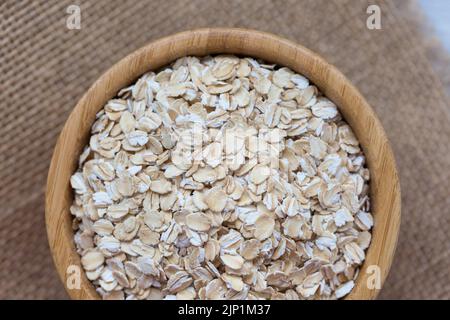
x: 45, y: 68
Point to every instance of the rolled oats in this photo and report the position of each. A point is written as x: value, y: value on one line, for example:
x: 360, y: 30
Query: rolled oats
x: 221, y: 178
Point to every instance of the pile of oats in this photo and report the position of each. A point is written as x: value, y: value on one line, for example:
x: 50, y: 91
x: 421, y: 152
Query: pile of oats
x: 221, y: 178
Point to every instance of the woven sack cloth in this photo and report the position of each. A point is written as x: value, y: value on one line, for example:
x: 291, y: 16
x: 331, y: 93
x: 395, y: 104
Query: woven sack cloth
x: 45, y: 68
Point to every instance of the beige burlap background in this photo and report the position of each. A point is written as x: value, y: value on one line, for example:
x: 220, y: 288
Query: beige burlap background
x: 45, y: 68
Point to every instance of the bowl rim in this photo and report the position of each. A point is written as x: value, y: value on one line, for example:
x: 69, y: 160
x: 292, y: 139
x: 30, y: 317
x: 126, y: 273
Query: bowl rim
x: 243, y: 42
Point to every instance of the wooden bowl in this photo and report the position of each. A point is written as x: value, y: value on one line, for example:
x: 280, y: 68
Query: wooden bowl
x: 385, y: 189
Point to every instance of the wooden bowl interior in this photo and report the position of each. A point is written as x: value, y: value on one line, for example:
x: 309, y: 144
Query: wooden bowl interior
x: 385, y: 190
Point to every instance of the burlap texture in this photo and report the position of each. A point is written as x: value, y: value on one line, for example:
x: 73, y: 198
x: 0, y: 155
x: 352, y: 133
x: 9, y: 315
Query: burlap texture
x: 45, y: 68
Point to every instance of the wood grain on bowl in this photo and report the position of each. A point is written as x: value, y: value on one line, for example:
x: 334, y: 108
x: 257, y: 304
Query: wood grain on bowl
x: 385, y: 189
